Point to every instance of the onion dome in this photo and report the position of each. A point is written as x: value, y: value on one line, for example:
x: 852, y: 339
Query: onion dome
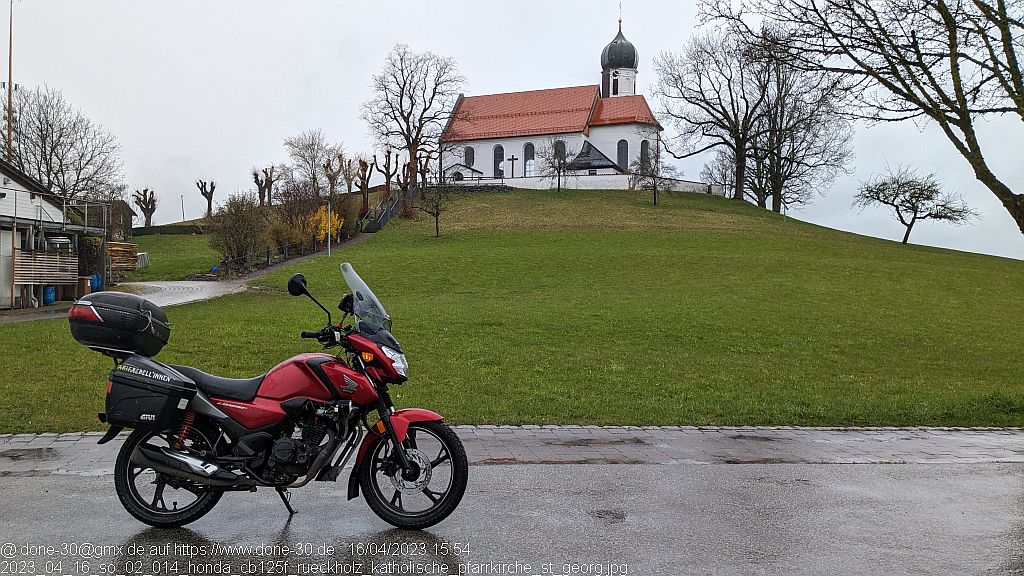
x: 620, y: 53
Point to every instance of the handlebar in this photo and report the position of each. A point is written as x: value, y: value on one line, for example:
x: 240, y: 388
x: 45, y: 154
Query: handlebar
x: 306, y: 334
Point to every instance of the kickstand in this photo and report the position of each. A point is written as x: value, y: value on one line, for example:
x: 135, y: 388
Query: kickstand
x: 286, y: 497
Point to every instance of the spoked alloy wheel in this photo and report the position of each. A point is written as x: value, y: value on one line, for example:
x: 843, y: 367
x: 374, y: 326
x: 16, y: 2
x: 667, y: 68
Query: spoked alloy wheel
x: 436, y: 489
x: 156, y: 498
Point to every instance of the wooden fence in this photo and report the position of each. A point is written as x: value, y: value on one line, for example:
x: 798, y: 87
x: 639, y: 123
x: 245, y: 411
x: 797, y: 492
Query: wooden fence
x: 37, y: 267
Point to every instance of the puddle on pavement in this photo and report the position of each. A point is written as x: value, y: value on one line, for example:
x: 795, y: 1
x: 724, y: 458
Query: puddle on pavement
x: 753, y: 437
x: 29, y: 454
x: 616, y: 516
x: 578, y: 442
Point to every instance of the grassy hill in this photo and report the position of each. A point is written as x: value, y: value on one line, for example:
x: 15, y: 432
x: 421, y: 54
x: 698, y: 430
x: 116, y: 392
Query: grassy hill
x: 597, y: 307
x: 174, y: 256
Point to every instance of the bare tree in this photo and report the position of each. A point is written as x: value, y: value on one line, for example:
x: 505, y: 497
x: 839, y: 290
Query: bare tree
x: 309, y: 152
x: 553, y: 159
x: 713, y: 93
x: 264, y: 180
x: 363, y: 181
x: 913, y: 197
x: 145, y: 199
x: 651, y: 171
x: 952, y: 62
x: 350, y: 173
x: 389, y: 169
x: 333, y: 168
x: 434, y: 201
x: 237, y: 230
x: 206, y: 189
x: 414, y: 97
x: 802, y: 140
x: 60, y: 147
x: 721, y: 171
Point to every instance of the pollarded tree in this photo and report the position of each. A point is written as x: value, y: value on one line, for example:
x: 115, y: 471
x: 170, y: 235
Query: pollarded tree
x: 414, y: 97
x: 912, y: 198
x: 206, y: 189
x: 264, y: 180
x: 145, y: 199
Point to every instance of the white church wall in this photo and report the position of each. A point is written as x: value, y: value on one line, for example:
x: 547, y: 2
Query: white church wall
x: 606, y: 139
x: 484, y: 152
x: 580, y: 181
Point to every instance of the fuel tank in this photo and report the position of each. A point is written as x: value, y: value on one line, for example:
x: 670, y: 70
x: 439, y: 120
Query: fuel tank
x: 316, y: 376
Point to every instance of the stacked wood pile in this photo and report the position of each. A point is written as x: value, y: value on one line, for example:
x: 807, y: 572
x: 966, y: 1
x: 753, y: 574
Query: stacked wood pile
x: 122, y: 255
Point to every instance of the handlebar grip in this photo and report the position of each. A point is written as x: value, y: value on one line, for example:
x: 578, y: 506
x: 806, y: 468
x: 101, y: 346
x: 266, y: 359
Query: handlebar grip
x: 306, y: 334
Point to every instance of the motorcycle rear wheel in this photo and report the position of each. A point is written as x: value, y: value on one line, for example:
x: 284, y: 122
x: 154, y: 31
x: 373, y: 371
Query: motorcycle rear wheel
x: 131, y: 480
x: 437, y: 490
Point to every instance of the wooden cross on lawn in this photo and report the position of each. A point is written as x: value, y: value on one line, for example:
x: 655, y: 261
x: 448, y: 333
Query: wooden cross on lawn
x: 513, y: 159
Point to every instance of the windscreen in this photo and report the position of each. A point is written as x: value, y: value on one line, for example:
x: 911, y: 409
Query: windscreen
x: 365, y: 304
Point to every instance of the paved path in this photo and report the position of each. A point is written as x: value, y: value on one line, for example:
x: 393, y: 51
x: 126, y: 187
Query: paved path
x: 171, y: 293
x: 78, y: 454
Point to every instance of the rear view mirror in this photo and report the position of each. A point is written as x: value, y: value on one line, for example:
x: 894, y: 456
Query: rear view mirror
x: 346, y: 304
x: 297, y: 285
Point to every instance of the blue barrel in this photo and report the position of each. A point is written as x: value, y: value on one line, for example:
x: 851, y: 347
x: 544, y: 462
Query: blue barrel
x: 96, y: 283
x: 49, y: 295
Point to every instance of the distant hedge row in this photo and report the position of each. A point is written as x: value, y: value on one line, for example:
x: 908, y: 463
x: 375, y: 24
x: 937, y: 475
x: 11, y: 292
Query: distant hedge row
x: 168, y: 229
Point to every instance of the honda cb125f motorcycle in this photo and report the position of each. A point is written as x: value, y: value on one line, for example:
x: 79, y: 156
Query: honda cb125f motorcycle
x: 197, y: 436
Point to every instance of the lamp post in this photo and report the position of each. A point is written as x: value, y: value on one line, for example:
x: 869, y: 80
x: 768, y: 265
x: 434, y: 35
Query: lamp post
x: 182, y: 207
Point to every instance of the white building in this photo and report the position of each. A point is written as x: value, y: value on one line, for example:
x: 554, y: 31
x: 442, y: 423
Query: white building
x: 38, y: 238
x: 602, y: 131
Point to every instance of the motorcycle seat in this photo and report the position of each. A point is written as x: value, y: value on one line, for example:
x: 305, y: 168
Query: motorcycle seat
x: 243, y: 389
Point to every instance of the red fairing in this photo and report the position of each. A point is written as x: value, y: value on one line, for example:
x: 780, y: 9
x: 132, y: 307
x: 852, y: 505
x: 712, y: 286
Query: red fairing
x: 400, y: 422
x: 256, y: 414
x: 351, y: 385
x: 382, y: 368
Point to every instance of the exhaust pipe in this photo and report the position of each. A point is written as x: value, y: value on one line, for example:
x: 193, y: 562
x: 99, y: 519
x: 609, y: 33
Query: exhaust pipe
x: 186, y: 466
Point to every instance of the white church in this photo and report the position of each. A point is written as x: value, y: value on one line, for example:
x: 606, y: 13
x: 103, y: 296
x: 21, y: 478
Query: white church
x: 601, y: 130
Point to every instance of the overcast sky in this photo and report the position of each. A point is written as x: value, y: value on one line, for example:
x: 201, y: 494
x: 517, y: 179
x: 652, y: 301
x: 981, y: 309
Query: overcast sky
x: 200, y: 89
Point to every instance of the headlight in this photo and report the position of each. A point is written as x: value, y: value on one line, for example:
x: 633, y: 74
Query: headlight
x: 401, y: 364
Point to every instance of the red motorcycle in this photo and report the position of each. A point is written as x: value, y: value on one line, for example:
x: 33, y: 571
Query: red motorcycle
x: 197, y: 436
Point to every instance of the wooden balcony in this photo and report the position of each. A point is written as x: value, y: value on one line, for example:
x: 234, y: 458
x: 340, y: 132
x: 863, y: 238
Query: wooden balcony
x: 38, y: 267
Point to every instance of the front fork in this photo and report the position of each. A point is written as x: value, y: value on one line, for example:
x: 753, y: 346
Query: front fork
x: 409, y: 471
x: 393, y: 427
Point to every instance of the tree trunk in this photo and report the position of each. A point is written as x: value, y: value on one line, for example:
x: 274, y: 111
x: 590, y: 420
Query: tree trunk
x: 149, y: 220
x: 209, y: 206
x: 437, y: 226
x: 741, y: 171
x: 777, y: 199
x: 906, y: 236
x: 1014, y: 203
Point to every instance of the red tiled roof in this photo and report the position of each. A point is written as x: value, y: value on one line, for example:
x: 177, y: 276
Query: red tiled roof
x: 623, y: 110
x: 554, y: 111
x: 536, y: 112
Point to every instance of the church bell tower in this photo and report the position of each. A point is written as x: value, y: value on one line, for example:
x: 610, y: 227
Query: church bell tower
x: 618, y: 67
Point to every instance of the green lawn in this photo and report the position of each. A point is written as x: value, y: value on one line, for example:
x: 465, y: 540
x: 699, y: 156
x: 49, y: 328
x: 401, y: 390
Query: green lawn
x: 596, y: 307
x: 174, y: 256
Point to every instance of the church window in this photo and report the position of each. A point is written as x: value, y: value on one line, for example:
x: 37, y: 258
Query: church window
x: 499, y: 159
x: 469, y: 156
x: 458, y: 176
x: 528, y: 158
x: 559, y: 150
x: 615, y: 87
x: 645, y: 155
x: 623, y: 154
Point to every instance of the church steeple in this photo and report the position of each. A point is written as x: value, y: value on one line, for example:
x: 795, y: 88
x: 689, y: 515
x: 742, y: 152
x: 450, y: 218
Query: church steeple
x: 619, y: 62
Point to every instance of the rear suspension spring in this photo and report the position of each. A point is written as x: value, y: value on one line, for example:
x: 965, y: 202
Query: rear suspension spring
x: 184, y: 430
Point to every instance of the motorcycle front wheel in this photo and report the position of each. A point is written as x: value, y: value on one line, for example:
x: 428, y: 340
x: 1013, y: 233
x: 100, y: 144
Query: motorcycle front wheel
x: 435, y: 492
x: 156, y: 498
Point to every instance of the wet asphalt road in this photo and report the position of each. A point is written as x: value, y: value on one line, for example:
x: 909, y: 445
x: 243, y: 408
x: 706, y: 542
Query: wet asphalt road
x: 654, y: 519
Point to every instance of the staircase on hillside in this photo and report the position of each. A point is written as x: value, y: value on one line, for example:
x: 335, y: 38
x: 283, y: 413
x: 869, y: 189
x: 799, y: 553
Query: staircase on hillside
x: 379, y: 215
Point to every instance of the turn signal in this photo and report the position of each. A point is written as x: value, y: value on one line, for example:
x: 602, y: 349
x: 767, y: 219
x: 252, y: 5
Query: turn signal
x: 380, y: 427
x: 366, y: 356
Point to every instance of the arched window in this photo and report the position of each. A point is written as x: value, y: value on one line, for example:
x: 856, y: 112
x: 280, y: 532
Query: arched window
x: 469, y: 156
x: 615, y: 87
x: 645, y: 155
x: 559, y: 150
x: 623, y: 154
x: 528, y: 156
x: 499, y: 159
x: 458, y: 177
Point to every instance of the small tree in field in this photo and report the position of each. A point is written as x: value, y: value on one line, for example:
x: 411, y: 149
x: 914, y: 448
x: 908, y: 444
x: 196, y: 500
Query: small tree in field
x: 321, y: 223
x: 206, y: 189
x: 913, y: 197
x: 434, y: 201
